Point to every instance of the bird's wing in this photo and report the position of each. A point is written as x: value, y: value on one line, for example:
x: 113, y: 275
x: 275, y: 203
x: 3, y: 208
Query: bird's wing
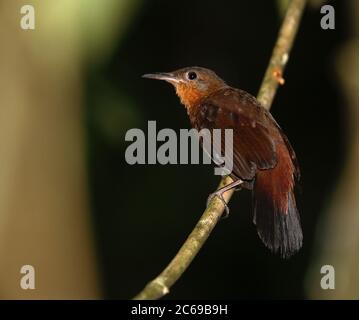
x: 234, y: 109
x: 289, y: 147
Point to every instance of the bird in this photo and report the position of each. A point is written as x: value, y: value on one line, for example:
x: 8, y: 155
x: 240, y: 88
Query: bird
x: 264, y: 161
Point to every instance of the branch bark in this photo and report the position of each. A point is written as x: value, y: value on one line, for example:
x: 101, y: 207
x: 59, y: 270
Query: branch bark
x: 160, y: 286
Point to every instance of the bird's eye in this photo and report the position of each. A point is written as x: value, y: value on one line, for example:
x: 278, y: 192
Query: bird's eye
x: 191, y: 75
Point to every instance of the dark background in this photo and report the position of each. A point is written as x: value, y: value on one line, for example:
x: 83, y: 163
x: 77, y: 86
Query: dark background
x: 143, y: 213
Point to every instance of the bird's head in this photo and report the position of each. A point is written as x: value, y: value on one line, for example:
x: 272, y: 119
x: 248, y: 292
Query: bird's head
x: 192, y: 84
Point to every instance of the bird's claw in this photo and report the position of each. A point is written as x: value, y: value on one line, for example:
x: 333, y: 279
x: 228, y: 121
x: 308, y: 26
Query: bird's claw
x: 219, y: 195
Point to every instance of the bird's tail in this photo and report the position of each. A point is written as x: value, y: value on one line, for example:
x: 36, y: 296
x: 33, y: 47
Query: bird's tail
x: 275, y: 212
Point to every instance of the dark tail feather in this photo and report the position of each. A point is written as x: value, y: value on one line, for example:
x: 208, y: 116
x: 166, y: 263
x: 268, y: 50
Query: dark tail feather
x: 277, y: 220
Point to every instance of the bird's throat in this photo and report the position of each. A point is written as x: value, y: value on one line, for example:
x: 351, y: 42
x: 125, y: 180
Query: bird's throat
x: 189, y: 96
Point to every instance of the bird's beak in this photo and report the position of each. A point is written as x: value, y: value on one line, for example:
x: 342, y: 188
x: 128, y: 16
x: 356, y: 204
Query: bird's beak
x: 169, y: 77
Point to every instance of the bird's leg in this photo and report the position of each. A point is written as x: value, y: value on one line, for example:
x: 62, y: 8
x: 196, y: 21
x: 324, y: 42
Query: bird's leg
x: 219, y: 195
x: 244, y: 184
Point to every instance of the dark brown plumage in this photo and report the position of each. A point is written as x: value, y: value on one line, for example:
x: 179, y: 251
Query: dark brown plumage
x: 263, y: 159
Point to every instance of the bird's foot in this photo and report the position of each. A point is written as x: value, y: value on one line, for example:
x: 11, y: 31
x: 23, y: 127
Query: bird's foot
x: 219, y: 195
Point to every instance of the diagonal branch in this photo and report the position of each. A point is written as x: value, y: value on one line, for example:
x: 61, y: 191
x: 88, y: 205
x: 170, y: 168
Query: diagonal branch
x: 273, y: 77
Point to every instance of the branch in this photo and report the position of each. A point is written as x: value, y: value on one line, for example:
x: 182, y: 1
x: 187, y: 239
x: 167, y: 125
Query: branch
x: 273, y: 77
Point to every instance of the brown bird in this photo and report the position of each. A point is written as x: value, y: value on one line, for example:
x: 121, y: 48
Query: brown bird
x: 263, y: 159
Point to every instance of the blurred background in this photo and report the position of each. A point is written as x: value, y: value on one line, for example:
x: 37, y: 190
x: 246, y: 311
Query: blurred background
x: 95, y: 227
